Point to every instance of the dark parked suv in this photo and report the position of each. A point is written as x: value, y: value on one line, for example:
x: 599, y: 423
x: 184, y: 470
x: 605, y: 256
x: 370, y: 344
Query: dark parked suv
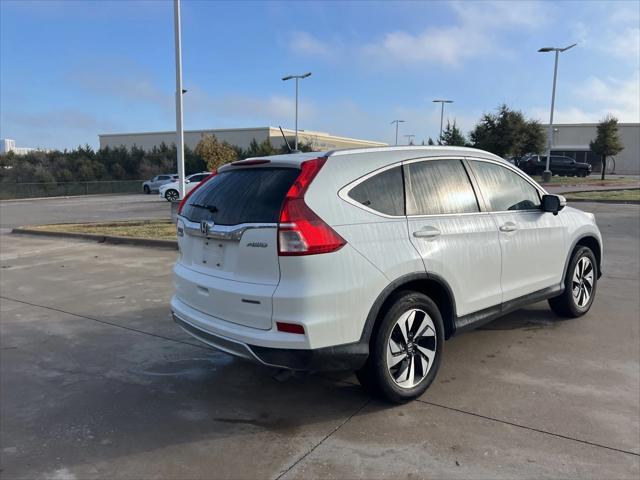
x: 565, y: 166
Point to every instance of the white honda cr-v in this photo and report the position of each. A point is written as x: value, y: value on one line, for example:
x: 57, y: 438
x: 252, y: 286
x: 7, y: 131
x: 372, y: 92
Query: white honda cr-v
x: 369, y: 259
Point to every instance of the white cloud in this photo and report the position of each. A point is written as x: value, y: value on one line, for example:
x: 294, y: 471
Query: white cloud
x: 605, y: 96
x: 448, y: 45
x: 500, y: 14
x: 624, y: 44
x: 472, y: 34
x: 303, y: 43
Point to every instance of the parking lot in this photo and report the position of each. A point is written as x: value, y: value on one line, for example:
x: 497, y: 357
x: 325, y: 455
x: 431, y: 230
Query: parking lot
x: 97, y: 382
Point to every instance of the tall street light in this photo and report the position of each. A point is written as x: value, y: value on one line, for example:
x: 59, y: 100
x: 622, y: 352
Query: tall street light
x: 179, y: 92
x: 442, y: 102
x: 546, y: 175
x: 397, y: 122
x: 297, y: 77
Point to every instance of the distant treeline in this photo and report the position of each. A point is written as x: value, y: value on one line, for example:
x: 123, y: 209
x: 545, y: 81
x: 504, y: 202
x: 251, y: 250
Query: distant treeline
x: 120, y: 163
x: 507, y: 133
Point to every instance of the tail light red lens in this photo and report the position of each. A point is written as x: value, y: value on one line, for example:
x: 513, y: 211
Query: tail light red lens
x: 290, y: 327
x: 301, y: 231
x: 186, y: 197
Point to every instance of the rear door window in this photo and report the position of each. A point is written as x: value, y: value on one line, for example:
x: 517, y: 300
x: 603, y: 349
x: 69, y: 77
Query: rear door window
x: 247, y: 195
x: 439, y: 187
x: 383, y: 192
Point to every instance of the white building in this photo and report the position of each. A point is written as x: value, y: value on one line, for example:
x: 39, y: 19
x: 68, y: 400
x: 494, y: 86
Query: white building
x: 9, y: 145
x: 240, y: 137
x: 572, y: 139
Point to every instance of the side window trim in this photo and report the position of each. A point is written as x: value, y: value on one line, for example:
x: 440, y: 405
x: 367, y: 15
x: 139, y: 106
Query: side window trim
x: 479, y: 200
x: 540, y: 190
x: 343, y: 193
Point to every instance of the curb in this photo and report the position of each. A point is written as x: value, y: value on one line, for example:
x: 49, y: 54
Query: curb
x: 111, y: 239
x: 66, y: 197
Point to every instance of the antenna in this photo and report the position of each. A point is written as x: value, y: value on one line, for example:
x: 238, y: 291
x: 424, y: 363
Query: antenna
x: 285, y: 140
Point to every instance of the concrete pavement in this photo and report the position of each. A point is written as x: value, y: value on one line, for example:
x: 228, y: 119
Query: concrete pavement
x: 97, y: 382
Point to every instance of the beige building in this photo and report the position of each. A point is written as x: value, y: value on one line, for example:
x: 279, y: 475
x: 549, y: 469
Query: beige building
x: 240, y: 137
x: 573, y: 140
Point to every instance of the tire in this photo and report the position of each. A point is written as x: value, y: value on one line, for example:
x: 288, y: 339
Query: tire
x: 146, y: 189
x: 172, y: 195
x: 415, y: 355
x: 583, y: 269
x: 582, y: 173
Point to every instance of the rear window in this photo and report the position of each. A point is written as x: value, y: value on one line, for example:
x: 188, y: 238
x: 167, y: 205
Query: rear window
x: 252, y: 195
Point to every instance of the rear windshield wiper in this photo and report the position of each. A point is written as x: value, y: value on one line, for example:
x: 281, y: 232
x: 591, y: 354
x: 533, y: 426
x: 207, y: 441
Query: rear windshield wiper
x: 211, y: 208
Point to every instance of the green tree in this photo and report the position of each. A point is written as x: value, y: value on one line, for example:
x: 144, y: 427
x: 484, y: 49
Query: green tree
x: 452, y: 136
x: 508, y: 133
x: 430, y: 142
x: 607, y: 141
x: 215, y: 153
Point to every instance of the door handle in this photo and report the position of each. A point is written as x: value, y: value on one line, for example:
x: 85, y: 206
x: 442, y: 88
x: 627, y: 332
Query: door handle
x: 508, y: 227
x: 427, y: 232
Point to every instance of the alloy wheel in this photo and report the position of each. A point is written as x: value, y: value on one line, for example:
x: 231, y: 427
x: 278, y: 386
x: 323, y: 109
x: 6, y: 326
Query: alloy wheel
x: 582, y: 282
x: 411, y: 348
x: 171, y: 195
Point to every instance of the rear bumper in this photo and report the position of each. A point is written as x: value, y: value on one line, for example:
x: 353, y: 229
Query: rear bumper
x: 342, y: 357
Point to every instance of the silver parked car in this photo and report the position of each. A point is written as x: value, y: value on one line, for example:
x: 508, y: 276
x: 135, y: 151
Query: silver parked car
x: 156, y: 182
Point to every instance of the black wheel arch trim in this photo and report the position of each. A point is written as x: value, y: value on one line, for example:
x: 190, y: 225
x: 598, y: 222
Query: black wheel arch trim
x: 396, y: 285
x: 574, y: 244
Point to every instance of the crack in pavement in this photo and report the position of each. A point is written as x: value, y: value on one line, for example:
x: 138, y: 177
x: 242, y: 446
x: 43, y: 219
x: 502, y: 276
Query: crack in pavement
x: 328, y: 435
x: 512, y: 424
x: 465, y: 412
x: 105, y: 322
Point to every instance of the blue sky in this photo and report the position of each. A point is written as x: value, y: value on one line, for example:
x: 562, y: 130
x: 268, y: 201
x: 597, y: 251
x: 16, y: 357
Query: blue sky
x: 72, y: 70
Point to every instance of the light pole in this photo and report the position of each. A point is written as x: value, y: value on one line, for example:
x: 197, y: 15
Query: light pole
x: 179, y: 92
x: 442, y: 102
x: 397, y: 122
x: 410, y: 138
x: 546, y: 175
x: 297, y: 77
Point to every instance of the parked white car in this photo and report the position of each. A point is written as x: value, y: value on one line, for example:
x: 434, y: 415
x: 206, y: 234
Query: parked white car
x: 169, y: 191
x: 369, y: 259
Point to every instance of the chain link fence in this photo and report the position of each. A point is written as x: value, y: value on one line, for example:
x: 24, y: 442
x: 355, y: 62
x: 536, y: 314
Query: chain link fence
x: 64, y: 189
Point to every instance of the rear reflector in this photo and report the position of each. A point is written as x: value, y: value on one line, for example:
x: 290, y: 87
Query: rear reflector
x: 301, y: 231
x: 290, y: 328
x: 213, y: 174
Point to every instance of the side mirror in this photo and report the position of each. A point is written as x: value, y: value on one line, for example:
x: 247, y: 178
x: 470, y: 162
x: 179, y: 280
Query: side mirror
x: 553, y: 203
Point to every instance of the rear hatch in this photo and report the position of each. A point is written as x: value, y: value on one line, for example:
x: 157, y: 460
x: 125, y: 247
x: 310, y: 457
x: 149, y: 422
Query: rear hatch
x: 228, y: 262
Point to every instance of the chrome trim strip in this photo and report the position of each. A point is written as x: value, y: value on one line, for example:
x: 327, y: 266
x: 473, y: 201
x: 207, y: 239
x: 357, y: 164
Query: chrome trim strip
x: 343, y: 193
x: 223, y: 232
x: 515, y: 170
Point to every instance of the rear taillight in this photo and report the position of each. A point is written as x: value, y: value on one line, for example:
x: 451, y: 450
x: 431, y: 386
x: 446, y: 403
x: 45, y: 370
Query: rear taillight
x: 301, y: 231
x: 184, y: 200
